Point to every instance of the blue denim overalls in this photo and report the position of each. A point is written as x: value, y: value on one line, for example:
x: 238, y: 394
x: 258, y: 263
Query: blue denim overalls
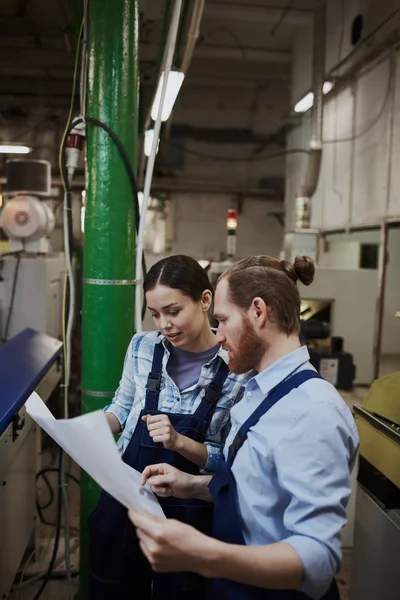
x: 227, y: 520
x: 118, y: 569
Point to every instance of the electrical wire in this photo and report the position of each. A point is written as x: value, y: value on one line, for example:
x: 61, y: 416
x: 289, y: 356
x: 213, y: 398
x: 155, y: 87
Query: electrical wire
x: 69, y: 289
x: 374, y: 121
x: 281, y: 18
x: 39, y: 576
x: 32, y: 554
x: 57, y: 534
x: 82, y: 86
x: 230, y: 32
x: 41, y: 507
x: 259, y: 157
x: 127, y: 163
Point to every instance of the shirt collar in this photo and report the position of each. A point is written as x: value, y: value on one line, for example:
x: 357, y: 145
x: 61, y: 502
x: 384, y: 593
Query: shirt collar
x: 161, y: 339
x: 280, y: 370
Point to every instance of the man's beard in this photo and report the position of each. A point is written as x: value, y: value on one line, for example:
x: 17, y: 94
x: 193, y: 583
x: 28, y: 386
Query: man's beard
x: 250, y: 349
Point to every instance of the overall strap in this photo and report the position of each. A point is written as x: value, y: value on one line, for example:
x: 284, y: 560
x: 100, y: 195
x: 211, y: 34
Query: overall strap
x: 281, y: 390
x: 213, y: 392
x: 154, y: 379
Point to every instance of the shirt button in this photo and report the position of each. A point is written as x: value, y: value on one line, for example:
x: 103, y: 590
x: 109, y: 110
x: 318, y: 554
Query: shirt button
x: 248, y: 393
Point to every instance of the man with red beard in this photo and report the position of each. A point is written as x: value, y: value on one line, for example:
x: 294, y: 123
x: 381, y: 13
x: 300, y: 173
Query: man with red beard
x: 280, y: 497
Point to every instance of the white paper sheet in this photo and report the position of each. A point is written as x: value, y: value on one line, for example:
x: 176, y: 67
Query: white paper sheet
x: 89, y: 441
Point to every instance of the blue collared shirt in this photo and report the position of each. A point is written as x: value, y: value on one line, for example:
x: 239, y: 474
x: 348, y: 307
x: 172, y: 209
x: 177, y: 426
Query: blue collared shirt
x: 130, y: 396
x: 293, y: 472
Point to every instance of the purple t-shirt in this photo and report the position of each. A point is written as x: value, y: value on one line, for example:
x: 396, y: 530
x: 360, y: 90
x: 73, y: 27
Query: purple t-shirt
x: 185, y: 367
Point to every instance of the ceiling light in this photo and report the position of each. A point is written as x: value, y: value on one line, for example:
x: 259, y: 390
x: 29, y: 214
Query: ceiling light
x: 14, y: 149
x: 306, y: 103
x: 175, y: 80
x: 148, y: 142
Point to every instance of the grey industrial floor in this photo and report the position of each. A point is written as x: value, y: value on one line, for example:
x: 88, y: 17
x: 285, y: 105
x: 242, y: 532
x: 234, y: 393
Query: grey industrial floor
x: 58, y: 590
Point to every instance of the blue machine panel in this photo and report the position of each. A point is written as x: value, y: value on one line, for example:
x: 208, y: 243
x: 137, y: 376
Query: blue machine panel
x: 24, y: 361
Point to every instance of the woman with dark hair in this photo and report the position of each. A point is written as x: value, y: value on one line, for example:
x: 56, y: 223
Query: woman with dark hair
x: 172, y: 406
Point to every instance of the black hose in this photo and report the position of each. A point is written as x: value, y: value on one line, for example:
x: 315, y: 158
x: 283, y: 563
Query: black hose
x: 14, y: 287
x: 41, y: 507
x: 47, y: 575
x: 125, y: 158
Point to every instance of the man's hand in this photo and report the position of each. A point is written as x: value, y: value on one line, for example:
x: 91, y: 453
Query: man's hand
x: 172, y: 546
x: 165, y: 480
x: 161, y: 430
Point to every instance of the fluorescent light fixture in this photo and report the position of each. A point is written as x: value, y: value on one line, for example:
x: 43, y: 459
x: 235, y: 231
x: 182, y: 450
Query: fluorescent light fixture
x: 14, y: 149
x: 140, y: 200
x: 306, y: 103
x: 204, y: 263
x: 148, y: 142
x: 175, y: 80
x: 326, y: 88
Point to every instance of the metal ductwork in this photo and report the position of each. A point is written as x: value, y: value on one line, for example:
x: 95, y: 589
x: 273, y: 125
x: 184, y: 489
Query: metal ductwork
x: 309, y: 184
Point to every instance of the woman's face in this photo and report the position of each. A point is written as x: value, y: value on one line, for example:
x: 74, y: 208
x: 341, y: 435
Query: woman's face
x: 177, y: 316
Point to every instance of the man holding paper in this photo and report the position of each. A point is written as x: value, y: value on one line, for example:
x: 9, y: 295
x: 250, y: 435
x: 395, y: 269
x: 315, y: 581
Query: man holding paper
x: 280, y: 496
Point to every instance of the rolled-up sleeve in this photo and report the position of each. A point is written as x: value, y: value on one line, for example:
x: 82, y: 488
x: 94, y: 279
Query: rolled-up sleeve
x: 214, y: 458
x: 122, y: 402
x: 313, y: 468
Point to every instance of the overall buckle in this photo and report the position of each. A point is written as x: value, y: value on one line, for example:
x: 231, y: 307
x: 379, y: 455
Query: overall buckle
x: 153, y: 383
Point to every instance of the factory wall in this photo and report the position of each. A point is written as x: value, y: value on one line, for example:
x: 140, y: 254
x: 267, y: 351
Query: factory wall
x: 358, y: 181
x: 391, y: 325
x: 200, y: 226
x: 196, y: 225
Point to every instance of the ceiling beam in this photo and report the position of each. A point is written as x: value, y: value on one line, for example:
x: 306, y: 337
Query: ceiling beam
x: 14, y: 25
x: 241, y: 13
x: 227, y: 136
x: 45, y: 86
x: 243, y: 54
x: 246, y: 71
x: 36, y: 58
x: 34, y: 101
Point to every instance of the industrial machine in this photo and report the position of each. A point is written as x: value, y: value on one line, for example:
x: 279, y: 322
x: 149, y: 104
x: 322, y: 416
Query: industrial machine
x: 375, y: 567
x: 31, y: 277
x: 348, y: 297
x: 25, y: 218
x: 329, y: 358
x: 30, y: 361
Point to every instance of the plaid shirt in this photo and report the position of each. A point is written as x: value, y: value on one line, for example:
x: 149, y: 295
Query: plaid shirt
x: 130, y: 396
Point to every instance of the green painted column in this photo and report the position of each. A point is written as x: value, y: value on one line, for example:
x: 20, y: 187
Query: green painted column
x: 108, y: 294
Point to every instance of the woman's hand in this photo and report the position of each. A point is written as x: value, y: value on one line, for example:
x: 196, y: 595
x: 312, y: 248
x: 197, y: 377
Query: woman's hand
x: 161, y: 430
x: 165, y: 480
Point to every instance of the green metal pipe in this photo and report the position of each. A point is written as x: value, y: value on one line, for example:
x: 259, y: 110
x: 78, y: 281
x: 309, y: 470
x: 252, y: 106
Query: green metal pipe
x: 108, y: 303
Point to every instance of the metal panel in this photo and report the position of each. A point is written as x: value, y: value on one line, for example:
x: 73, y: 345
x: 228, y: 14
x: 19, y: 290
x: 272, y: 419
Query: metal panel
x: 335, y: 177
x: 375, y: 569
x: 379, y: 449
x: 17, y: 500
x: 353, y: 293
x: 371, y: 149
x: 17, y: 486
